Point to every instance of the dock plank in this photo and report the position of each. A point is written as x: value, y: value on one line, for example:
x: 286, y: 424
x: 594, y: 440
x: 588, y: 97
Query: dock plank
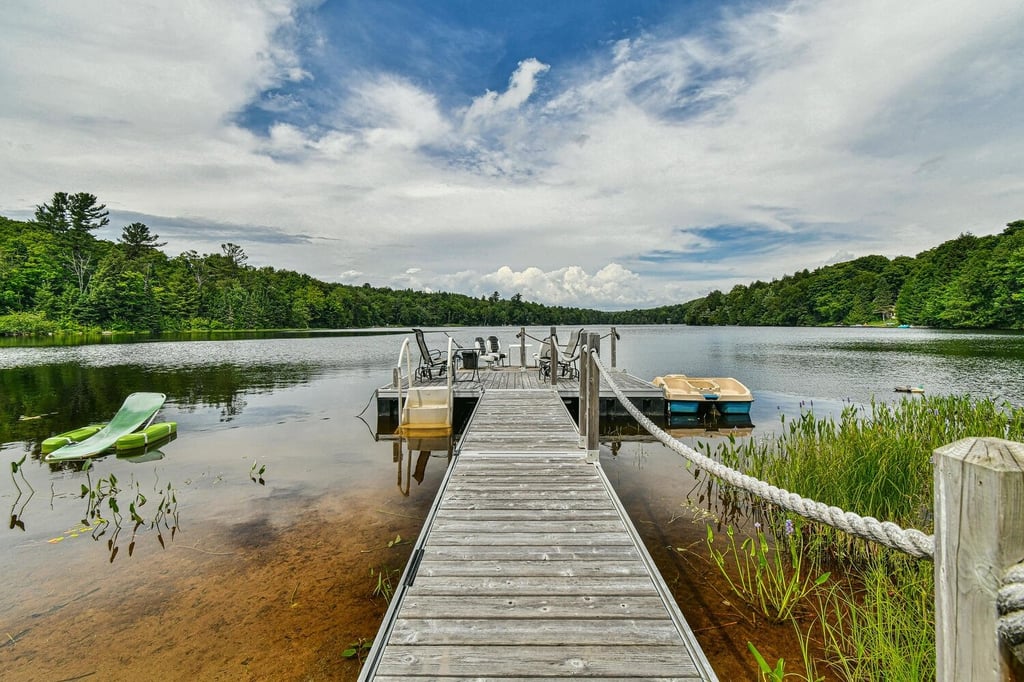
x: 541, y: 661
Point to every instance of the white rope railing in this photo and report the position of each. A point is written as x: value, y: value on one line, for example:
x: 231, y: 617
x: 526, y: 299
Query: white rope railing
x: 909, y: 541
x: 1010, y: 605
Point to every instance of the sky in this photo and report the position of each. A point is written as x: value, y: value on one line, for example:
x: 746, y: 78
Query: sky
x: 592, y: 153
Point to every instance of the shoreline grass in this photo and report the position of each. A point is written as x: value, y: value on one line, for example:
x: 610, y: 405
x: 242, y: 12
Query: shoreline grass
x: 876, y: 622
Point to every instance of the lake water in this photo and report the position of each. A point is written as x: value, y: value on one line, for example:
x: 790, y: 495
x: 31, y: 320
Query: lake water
x: 278, y: 512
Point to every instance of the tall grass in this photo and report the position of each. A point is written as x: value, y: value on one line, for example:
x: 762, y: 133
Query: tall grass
x: 878, y: 622
x: 882, y: 626
x: 875, y: 460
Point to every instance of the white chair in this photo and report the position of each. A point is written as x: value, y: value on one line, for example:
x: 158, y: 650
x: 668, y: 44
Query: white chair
x: 494, y: 348
x: 485, y: 355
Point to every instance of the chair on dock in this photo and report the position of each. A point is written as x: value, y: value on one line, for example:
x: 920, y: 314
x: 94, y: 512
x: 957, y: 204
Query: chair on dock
x: 568, y: 357
x: 430, y: 360
x: 494, y: 348
x: 485, y: 355
x: 573, y: 345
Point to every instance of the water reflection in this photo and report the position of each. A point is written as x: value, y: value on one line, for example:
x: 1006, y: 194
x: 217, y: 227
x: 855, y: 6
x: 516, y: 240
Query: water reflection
x: 39, y: 401
x: 18, y: 506
x: 425, y: 446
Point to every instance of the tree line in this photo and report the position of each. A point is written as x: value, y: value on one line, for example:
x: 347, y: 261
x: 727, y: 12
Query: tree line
x: 56, y: 274
x: 965, y: 283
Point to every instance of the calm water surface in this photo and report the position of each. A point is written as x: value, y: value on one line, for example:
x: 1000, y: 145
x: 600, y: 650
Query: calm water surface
x: 243, y: 579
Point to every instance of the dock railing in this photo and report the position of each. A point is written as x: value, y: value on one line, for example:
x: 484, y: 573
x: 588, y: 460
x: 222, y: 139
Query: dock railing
x: 978, y: 545
x: 550, y: 342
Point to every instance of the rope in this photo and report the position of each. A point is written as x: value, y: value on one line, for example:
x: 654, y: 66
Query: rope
x: 909, y: 541
x: 1010, y: 606
x: 531, y: 336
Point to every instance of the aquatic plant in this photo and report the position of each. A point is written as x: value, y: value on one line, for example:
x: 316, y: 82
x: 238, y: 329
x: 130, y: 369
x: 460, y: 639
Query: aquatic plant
x: 884, y: 628
x: 776, y: 674
x: 876, y: 459
x: 16, y: 511
x: 386, y: 579
x: 256, y: 475
x: 770, y: 576
x: 358, y: 649
x: 877, y: 623
x: 106, y: 490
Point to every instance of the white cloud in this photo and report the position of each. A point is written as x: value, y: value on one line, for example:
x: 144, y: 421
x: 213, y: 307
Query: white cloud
x: 896, y: 126
x: 520, y: 86
x: 394, y: 112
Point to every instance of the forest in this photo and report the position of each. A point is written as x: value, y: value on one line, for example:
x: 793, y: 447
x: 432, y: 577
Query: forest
x: 965, y: 283
x: 55, y: 275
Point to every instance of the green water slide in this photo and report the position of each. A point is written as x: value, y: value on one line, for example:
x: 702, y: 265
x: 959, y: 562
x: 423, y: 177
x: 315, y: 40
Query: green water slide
x: 137, y: 411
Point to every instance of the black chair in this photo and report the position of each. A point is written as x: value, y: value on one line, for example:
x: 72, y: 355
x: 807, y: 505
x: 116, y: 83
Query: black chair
x: 430, y: 360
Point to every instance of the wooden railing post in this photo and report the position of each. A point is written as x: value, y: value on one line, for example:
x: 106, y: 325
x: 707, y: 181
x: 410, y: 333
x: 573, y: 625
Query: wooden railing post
x: 584, y: 412
x: 979, y: 534
x: 522, y: 349
x: 614, y: 337
x: 593, y: 399
x: 553, y: 357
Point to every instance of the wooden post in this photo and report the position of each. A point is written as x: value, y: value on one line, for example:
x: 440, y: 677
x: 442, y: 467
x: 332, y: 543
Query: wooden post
x: 584, y: 412
x: 593, y: 400
x: 979, y: 533
x: 614, y: 337
x: 522, y: 349
x: 553, y: 357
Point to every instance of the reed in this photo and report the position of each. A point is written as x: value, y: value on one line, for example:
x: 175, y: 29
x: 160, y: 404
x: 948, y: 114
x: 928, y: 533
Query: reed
x: 878, y: 621
x: 874, y: 460
x: 884, y: 628
x: 772, y: 575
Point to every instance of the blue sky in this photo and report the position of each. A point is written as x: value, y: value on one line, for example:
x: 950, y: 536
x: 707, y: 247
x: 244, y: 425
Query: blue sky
x: 604, y: 154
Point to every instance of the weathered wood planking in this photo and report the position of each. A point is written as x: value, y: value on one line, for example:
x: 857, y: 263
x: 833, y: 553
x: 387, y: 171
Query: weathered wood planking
x: 530, y: 568
x: 517, y: 421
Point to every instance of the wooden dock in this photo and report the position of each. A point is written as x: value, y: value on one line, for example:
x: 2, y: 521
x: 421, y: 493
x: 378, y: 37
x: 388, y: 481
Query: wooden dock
x: 470, y: 385
x: 528, y: 567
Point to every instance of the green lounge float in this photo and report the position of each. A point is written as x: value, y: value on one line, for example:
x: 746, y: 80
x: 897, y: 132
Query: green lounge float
x: 70, y: 437
x: 138, y: 411
x: 152, y: 434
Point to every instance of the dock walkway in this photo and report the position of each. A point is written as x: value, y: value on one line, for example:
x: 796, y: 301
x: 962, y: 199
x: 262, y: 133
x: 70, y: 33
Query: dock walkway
x: 528, y: 566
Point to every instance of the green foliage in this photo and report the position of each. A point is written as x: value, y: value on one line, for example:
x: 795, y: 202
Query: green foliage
x: 771, y: 576
x: 358, y: 649
x: 17, y: 324
x: 776, y: 674
x: 878, y: 623
x: 386, y: 582
x: 56, y: 267
x: 875, y: 460
x: 967, y: 282
x: 885, y: 628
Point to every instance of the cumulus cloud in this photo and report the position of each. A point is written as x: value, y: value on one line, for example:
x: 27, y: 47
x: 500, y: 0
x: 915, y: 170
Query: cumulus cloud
x: 847, y: 128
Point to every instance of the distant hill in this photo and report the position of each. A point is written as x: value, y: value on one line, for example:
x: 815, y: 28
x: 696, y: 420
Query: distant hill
x: 965, y: 283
